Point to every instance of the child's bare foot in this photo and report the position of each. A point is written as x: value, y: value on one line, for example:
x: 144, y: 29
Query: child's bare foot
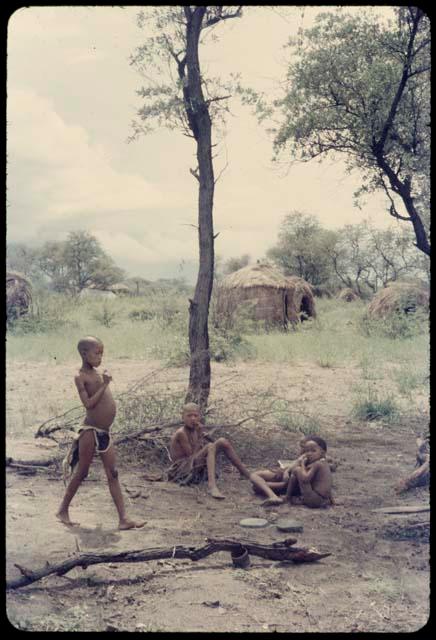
x: 272, y: 501
x: 216, y: 493
x: 63, y: 517
x: 131, y: 524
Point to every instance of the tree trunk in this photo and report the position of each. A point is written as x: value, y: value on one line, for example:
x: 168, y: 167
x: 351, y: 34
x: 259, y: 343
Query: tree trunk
x: 201, y: 127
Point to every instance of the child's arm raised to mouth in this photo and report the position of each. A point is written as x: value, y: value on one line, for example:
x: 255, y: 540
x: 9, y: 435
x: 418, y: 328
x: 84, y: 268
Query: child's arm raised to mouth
x: 89, y: 402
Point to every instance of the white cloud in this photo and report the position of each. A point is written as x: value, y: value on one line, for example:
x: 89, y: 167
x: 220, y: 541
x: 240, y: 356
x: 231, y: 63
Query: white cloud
x: 69, y: 174
x: 152, y: 248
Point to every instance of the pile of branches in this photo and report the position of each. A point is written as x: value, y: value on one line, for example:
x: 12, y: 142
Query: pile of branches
x: 150, y: 410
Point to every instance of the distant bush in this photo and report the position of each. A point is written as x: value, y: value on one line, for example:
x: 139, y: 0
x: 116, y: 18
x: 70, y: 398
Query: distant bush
x: 299, y: 423
x: 105, y: 316
x: 370, y: 405
x: 141, y: 315
x: 226, y: 345
x: 396, y: 325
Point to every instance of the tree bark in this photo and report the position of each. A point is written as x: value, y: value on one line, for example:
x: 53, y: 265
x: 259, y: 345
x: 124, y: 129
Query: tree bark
x: 200, y: 124
x: 278, y: 551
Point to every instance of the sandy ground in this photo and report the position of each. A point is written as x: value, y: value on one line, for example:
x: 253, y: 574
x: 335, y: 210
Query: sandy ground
x: 375, y: 580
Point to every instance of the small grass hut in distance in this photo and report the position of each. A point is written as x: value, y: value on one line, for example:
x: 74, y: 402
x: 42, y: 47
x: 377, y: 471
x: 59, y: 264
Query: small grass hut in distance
x: 399, y: 297
x: 271, y: 297
x: 18, y: 295
x: 347, y: 295
x: 299, y: 299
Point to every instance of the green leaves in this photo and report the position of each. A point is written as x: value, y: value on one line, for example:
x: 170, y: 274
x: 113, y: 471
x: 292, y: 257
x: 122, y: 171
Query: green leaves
x: 360, y: 87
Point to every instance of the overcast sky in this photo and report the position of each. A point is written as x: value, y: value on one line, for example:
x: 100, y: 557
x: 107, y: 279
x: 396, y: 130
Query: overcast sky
x: 71, y: 98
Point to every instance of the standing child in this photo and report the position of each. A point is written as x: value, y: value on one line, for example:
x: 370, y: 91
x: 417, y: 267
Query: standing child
x: 94, y: 435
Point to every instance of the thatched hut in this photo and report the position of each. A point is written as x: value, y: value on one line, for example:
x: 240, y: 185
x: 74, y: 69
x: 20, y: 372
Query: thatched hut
x: 300, y: 300
x: 18, y: 295
x: 120, y: 289
x: 347, y: 295
x: 271, y: 297
x: 399, y: 297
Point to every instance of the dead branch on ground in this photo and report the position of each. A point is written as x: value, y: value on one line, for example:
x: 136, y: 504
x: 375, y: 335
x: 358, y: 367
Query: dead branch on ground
x: 278, y: 551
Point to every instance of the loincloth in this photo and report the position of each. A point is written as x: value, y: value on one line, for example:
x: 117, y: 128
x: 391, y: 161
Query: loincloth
x: 185, y: 472
x: 103, y: 441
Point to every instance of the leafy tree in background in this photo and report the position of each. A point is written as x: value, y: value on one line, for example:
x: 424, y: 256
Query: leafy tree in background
x: 179, y: 96
x: 138, y: 284
x: 23, y: 259
x: 301, y: 248
x: 77, y: 263
x: 52, y: 263
x: 359, y: 256
x: 361, y: 88
x: 234, y: 264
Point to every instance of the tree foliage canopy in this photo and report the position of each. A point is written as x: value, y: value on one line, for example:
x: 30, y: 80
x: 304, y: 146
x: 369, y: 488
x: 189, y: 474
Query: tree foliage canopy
x: 360, y: 87
x: 359, y: 256
x: 78, y: 262
x: 167, y: 97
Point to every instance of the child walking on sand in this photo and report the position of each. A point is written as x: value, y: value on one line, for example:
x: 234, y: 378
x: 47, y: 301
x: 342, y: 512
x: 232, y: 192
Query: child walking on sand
x: 94, y: 435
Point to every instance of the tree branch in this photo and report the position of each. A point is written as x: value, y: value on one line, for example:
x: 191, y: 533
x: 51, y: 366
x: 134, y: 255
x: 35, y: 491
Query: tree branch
x: 221, y: 17
x: 278, y: 551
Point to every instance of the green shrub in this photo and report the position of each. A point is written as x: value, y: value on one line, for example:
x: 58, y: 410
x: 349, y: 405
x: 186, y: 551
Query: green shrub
x: 396, y: 325
x: 227, y: 345
x: 105, y: 316
x: 370, y: 405
x: 141, y: 315
x: 296, y: 421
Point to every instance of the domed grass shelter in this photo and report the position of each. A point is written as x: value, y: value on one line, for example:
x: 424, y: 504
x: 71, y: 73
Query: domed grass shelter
x: 270, y: 296
x: 18, y: 295
x: 120, y: 289
x: 347, y: 295
x: 399, y: 297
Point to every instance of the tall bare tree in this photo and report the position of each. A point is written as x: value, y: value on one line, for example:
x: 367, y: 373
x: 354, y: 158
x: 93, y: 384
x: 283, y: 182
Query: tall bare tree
x: 188, y: 101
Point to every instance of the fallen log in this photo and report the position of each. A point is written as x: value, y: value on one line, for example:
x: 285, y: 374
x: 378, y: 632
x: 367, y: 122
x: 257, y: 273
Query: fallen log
x: 278, y: 551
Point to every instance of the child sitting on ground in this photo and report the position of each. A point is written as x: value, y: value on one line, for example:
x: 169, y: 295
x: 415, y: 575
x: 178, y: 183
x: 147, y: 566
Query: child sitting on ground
x: 94, y: 435
x: 310, y: 481
x: 271, y: 482
x: 193, y: 459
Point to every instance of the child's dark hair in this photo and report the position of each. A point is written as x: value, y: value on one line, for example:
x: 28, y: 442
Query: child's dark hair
x: 319, y: 441
x: 87, y: 343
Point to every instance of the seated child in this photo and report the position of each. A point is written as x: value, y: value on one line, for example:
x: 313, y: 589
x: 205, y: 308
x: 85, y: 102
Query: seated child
x: 270, y: 482
x: 94, y: 434
x: 311, y: 479
x: 193, y: 460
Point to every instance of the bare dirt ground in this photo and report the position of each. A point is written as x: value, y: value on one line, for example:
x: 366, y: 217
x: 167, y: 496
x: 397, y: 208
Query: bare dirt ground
x: 375, y: 580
